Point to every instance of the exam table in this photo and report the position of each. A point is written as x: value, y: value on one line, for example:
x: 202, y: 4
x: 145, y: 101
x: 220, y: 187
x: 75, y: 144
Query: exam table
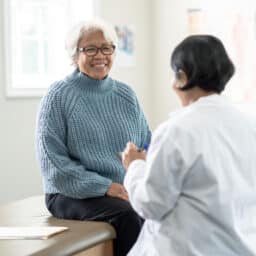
x: 83, y: 238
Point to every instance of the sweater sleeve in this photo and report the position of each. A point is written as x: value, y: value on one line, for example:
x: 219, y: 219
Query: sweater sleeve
x: 65, y: 174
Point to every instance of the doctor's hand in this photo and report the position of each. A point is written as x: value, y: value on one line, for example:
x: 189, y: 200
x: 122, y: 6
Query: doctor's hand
x: 117, y: 190
x: 132, y: 153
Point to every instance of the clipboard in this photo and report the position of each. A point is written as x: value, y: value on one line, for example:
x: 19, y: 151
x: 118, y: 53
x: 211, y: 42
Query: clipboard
x: 33, y: 232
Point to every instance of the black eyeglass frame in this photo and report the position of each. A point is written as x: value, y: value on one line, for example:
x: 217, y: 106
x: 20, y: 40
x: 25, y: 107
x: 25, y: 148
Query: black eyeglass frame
x: 83, y: 49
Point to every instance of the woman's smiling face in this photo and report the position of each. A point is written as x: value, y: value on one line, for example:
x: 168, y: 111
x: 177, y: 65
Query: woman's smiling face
x: 99, y: 65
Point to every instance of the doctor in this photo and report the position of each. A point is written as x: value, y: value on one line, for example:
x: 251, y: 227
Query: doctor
x: 197, y: 187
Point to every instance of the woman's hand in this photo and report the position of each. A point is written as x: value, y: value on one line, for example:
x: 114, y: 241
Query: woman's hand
x: 132, y: 153
x: 117, y: 190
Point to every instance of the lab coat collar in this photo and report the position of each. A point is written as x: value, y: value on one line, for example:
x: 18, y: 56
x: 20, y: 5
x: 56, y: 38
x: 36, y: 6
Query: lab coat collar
x: 213, y: 98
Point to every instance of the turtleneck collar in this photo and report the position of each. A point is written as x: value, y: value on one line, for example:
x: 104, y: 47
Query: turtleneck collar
x: 90, y: 85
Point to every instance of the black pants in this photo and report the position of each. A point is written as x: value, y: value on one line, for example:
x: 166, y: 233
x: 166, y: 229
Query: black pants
x: 114, y: 211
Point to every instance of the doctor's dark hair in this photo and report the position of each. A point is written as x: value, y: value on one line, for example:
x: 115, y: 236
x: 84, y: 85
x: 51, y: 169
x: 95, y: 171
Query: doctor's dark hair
x: 205, y: 62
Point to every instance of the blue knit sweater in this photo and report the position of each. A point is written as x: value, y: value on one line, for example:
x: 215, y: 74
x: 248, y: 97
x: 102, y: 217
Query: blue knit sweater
x: 82, y: 125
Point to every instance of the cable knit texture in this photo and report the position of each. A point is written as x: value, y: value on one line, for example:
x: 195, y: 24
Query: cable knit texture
x: 82, y: 124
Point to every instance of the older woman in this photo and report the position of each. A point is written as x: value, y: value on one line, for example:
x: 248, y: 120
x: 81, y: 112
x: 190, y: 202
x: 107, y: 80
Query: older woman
x: 196, y: 189
x: 84, y: 121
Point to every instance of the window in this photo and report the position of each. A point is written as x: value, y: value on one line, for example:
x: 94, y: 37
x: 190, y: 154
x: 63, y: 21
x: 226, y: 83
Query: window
x: 35, y: 33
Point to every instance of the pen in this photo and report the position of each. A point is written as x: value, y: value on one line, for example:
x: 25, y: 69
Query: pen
x: 144, y: 148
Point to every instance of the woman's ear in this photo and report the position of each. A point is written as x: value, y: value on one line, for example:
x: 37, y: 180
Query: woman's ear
x: 75, y: 59
x: 182, y: 78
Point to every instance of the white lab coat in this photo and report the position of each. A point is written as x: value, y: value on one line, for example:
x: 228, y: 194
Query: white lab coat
x: 197, y: 189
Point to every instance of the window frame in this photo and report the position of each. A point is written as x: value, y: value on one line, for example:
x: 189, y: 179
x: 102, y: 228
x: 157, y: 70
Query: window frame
x: 10, y: 90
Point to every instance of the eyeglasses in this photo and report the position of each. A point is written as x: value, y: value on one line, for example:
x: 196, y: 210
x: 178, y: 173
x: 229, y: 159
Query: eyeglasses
x: 93, y: 50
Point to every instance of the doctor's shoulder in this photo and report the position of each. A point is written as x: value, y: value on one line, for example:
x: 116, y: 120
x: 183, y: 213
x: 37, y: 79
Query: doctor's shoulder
x: 166, y: 130
x: 180, y: 124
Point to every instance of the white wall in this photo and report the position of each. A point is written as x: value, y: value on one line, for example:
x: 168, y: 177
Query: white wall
x: 19, y: 175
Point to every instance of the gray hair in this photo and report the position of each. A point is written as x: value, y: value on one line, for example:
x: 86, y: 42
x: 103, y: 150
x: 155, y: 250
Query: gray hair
x: 85, y: 28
